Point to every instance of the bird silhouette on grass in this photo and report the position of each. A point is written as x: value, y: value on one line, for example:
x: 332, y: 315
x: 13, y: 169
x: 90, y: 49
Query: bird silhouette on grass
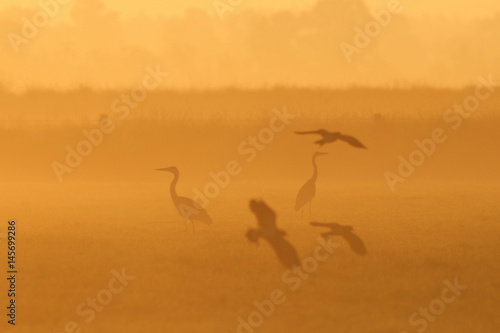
x: 344, y: 231
x: 308, y: 191
x: 189, y: 209
x: 267, y: 230
x: 327, y: 137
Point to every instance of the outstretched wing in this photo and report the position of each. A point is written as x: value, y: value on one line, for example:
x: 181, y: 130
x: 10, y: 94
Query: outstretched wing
x: 264, y: 214
x: 352, y: 141
x: 335, y: 228
x: 355, y: 243
x: 320, y: 224
x: 320, y: 132
x: 285, y: 251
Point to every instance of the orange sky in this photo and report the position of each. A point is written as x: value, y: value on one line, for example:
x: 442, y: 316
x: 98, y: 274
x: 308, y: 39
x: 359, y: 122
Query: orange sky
x: 104, y: 44
x: 466, y: 8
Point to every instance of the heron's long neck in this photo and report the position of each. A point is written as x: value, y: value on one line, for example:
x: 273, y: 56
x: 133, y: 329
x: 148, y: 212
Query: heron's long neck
x: 315, y: 168
x: 173, y: 184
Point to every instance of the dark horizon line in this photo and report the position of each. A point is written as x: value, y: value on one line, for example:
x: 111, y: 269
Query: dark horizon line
x: 239, y: 89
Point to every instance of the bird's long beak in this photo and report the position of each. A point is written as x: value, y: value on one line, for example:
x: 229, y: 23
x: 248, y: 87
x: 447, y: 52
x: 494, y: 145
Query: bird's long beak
x: 162, y: 169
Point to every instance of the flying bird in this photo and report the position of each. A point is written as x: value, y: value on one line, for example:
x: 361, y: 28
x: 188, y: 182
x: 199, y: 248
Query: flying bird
x: 189, y: 209
x: 308, y: 190
x: 327, y: 137
x: 345, y: 232
x: 266, y: 218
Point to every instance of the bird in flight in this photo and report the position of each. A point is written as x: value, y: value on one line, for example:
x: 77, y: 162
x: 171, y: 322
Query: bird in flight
x: 308, y: 190
x: 267, y: 230
x: 345, y: 231
x: 327, y: 137
x: 189, y: 209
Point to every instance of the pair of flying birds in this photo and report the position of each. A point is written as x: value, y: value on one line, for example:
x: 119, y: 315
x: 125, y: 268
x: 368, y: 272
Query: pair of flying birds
x: 285, y: 251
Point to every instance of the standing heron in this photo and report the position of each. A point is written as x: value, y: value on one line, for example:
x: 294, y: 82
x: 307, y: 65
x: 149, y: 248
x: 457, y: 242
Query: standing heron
x: 189, y: 209
x: 327, y: 137
x: 308, y: 190
x: 266, y: 218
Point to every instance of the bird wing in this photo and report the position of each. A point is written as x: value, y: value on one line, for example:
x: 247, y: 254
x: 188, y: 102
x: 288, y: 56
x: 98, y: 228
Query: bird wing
x: 266, y: 217
x: 320, y: 132
x: 355, y: 243
x: 252, y: 235
x: 352, y: 141
x: 336, y: 229
x: 305, y: 194
x: 320, y: 224
x: 191, y: 210
x: 285, y: 251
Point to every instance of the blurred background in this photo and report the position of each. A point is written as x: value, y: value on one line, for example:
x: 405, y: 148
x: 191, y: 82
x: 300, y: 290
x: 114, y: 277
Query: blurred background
x: 227, y: 77
x: 107, y: 44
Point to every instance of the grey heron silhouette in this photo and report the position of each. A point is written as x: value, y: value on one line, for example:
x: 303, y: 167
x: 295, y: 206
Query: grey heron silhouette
x: 266, y: 218
x: 189, y: 209
x: 327, y: 137
x: 308, y: 190
x: 344, y: 231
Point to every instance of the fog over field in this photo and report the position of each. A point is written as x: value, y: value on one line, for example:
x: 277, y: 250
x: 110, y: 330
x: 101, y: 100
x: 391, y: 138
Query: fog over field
x: 316, y: 166
x: 437, y: 228
x: 200, y: 132
x: 329, y: 43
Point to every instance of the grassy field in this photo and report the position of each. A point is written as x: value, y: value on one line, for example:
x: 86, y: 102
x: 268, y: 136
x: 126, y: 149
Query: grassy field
x: 72, y: 236
x: 113, y: 211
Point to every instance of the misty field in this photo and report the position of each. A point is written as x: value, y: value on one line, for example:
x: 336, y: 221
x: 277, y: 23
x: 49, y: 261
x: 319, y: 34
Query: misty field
x: 71, y: 238
x: 112, y: 215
